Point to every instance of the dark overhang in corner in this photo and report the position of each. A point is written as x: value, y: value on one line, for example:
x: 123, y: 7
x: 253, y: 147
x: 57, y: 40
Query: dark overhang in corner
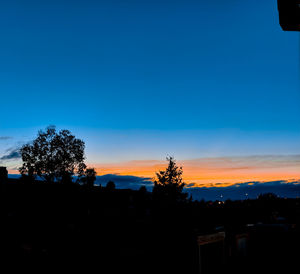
x: 289, y: 14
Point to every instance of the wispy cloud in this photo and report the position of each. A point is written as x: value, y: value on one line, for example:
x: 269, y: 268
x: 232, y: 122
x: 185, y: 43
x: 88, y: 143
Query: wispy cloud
x: 12, y: 154
x: 3, y: 138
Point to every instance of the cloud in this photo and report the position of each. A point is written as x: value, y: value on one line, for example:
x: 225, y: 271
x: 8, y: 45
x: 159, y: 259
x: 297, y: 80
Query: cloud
x: 13, y: 154
x: 125, y: 181
x: 3, y: 138
x: 282, y: 188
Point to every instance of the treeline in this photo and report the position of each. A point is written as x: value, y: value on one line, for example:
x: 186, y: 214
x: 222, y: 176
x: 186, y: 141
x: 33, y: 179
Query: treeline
x: 72, y: 225
x: 104, y: 227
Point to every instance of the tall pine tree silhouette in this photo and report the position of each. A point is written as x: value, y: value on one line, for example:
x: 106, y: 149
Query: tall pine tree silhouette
x: 169, y: 184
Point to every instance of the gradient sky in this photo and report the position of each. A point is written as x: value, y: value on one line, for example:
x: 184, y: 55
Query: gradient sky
x: 140, y: 80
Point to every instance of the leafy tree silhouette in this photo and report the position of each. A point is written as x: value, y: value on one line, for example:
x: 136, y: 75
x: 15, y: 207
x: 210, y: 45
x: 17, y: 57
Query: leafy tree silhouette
x: 54, y: 156
x: 89, y: 177
x: 168, y: 185
x: 26, y: 179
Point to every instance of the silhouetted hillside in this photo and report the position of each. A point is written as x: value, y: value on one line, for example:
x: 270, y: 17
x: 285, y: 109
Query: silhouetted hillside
x: 241, y: 191
x: 124, y: 229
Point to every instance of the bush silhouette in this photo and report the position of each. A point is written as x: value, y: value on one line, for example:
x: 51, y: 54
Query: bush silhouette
x: 110, y: 185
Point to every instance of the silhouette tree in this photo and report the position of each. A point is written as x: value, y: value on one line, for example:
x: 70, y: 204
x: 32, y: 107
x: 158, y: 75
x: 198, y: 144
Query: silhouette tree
x: 26, y: 179
x: 54, y: 156
x: 169, y: 183
x: 143, y: 189
x: 269, y: 196
x: 110, y: 185
x: 89, y: 177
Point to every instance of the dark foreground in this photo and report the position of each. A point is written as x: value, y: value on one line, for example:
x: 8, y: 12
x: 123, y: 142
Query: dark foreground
x: 96, y: 230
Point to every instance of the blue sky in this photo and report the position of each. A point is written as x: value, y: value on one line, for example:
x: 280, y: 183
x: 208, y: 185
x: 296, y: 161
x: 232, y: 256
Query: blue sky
x: 139, y: 80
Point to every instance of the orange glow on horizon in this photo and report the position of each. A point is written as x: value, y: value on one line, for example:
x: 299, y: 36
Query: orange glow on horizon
x: 209, y: 172
x: 218, y: 172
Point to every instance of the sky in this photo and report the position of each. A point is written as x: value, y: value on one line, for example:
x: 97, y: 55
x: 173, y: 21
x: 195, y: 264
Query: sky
x: 215, y: 85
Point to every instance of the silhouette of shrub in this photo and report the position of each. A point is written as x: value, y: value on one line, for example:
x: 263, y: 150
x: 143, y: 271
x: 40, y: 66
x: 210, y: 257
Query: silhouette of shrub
x: 110, y: 185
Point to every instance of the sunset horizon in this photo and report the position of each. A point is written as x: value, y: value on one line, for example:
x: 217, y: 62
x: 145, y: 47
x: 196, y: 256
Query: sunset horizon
x: 150, y: 136
x: 207, y: 171
x: 138, y: 82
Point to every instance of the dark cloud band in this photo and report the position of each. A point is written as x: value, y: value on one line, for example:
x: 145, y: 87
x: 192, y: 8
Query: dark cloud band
x: 12, y: 155
x: 3, y: 138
